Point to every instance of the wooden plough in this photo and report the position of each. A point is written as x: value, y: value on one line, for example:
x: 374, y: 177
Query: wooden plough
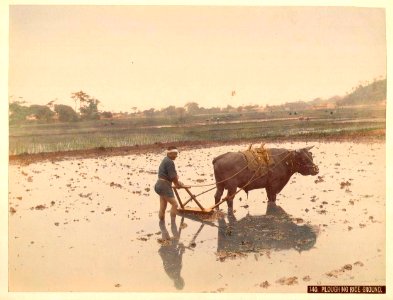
x: 200, y: 209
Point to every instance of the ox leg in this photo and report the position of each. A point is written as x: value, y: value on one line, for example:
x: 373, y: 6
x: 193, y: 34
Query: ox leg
x: 271, y: 196
x: 230, y: 196
x: 218, y: 194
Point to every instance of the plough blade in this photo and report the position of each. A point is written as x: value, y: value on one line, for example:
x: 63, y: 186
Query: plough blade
x: 195, y: 210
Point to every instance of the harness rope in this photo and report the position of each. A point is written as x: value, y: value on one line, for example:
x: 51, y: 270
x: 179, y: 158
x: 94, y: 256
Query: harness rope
x: 218, y: 182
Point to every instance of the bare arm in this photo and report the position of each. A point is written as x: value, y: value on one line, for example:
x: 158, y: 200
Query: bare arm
x: 177, y: 183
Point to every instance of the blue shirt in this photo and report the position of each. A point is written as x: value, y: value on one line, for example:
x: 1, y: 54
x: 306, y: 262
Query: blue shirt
x: 167, y: 169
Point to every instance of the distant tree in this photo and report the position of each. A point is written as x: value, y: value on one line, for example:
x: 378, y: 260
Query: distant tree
x: 169, y: 111
x: 88, y: 106
x: 181, y: 113
x: 17, y: 112
x: 149, y: 112
x: 214, y: 110
x: 51, y: 104
x: 107, y: 114
x: 89, y: 109
x: 250, y: 107
x: 42, y: 112
x: 80, y: 97
x: 192, y: 108
x: 229, y: 108
x: 134, y: 108
x: 66, y: 113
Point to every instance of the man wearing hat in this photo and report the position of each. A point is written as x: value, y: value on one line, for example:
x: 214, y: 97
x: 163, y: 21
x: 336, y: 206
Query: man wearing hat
x: 166, y: 176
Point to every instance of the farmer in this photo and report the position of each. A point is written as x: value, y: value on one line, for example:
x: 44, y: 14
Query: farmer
x: 166, y: 176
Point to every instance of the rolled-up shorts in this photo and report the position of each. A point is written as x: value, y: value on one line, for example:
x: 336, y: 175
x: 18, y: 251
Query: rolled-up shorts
x: 164, y: 188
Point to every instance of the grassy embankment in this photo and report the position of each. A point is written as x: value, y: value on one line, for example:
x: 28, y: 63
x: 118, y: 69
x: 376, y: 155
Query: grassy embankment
x: 37, y: 138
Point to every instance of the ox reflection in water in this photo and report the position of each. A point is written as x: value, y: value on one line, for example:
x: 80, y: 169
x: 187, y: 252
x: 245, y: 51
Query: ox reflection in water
x: 273, y: 231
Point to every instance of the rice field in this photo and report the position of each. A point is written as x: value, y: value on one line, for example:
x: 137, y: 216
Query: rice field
x: 40, y: 138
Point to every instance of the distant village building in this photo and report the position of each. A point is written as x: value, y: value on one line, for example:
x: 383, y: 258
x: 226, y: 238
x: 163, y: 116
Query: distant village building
x: 118, y: 116
x: 31, y: 117
x: 324, y: 106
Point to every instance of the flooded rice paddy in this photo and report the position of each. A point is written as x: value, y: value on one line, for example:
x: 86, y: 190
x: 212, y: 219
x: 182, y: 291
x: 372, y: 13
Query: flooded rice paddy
x: 92, y: 225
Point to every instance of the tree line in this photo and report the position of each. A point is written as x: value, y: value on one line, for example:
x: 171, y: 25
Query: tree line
x: 86, y: 107
x: 87, y: 110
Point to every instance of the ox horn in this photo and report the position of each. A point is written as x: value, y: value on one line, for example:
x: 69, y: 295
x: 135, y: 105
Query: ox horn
x: 306, y: 148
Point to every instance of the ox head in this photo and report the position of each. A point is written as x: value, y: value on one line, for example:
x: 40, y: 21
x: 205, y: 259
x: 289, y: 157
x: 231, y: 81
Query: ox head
x: 304, y: 163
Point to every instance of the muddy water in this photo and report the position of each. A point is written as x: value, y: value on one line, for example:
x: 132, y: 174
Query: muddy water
x: 92, y: 225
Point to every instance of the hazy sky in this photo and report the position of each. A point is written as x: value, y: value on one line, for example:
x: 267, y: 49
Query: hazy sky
x: 128, y: 56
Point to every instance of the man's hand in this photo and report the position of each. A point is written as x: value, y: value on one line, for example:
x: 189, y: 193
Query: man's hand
x: 180, y: 184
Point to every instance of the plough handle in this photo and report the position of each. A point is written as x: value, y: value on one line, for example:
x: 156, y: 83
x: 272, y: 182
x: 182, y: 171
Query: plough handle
x: 193, y: 198
x: 178, y: 198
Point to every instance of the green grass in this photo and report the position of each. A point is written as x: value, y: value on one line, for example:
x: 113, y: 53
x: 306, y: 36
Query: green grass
x: 36, y: 138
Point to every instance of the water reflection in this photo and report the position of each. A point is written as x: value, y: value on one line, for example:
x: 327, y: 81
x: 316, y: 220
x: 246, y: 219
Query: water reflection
x: 171, y: 252
x: 274, y: 230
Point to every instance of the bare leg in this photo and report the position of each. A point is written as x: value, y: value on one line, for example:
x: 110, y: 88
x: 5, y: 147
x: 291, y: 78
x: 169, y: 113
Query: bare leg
x: 174, y: 204
x: 163, y: 204
x: 175, y: 232
x: 164, y: 231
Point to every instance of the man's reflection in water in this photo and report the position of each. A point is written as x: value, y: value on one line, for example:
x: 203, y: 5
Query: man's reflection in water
x: 171, y: 253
